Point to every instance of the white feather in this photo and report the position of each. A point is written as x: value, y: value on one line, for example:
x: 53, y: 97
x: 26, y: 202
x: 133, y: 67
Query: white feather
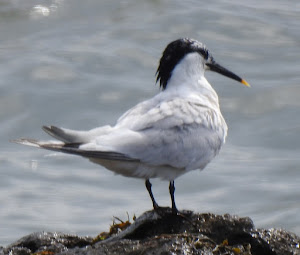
x: 179, y: 130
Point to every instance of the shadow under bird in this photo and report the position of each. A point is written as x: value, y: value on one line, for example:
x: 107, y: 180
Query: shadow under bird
x: 178, y: 130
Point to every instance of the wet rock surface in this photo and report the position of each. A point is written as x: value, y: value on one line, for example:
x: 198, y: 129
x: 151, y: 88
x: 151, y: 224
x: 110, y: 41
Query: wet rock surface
x: 161, y: 232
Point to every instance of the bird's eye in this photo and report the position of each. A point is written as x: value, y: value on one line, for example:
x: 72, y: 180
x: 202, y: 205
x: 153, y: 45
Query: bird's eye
x: 204, y: 53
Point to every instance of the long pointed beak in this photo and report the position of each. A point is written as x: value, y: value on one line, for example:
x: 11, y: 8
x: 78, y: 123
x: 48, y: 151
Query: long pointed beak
x: 215, y: 67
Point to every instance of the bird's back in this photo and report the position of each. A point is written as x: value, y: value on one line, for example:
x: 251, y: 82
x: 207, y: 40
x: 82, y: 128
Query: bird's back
x: 180, y: 131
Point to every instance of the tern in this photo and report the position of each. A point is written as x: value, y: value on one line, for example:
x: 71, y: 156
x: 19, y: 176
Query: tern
x: 178, y: 130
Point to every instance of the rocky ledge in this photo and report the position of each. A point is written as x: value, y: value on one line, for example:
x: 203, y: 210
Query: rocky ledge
x: 161, y: 232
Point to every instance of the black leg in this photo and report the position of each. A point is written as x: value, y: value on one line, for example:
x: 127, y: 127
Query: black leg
x: 148, y: 186
x: 172, y: 190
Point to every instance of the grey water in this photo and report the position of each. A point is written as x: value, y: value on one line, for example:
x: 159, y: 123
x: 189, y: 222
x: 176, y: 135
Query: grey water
x: 81, y: 64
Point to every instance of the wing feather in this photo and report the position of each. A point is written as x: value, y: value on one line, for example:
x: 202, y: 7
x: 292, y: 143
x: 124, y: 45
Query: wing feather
x: 74, y: 148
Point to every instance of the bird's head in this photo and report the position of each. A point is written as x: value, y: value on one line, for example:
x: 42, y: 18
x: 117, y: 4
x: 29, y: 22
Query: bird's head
x: 177, y: 50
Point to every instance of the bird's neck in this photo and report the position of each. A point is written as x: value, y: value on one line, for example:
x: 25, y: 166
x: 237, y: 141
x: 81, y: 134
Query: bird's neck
x: 192, y: 85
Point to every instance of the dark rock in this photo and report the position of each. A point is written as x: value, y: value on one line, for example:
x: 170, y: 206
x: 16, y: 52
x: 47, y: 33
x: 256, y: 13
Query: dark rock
x: 46, y: 241
x: 161, y: 232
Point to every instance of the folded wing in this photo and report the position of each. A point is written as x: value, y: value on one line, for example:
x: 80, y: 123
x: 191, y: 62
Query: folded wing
x: 74, y: 148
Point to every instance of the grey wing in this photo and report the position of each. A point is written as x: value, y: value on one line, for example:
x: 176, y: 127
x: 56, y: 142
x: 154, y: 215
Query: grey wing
x: 188, y: 146
x: 74, y: 148
x: 174, y: 133
x: 74, y: 136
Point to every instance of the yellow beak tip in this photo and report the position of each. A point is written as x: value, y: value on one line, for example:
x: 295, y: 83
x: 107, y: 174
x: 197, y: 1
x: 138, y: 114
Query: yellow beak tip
x: 245, y: 83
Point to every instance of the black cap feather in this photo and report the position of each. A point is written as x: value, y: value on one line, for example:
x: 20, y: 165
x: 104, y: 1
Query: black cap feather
x: 173, y: 54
